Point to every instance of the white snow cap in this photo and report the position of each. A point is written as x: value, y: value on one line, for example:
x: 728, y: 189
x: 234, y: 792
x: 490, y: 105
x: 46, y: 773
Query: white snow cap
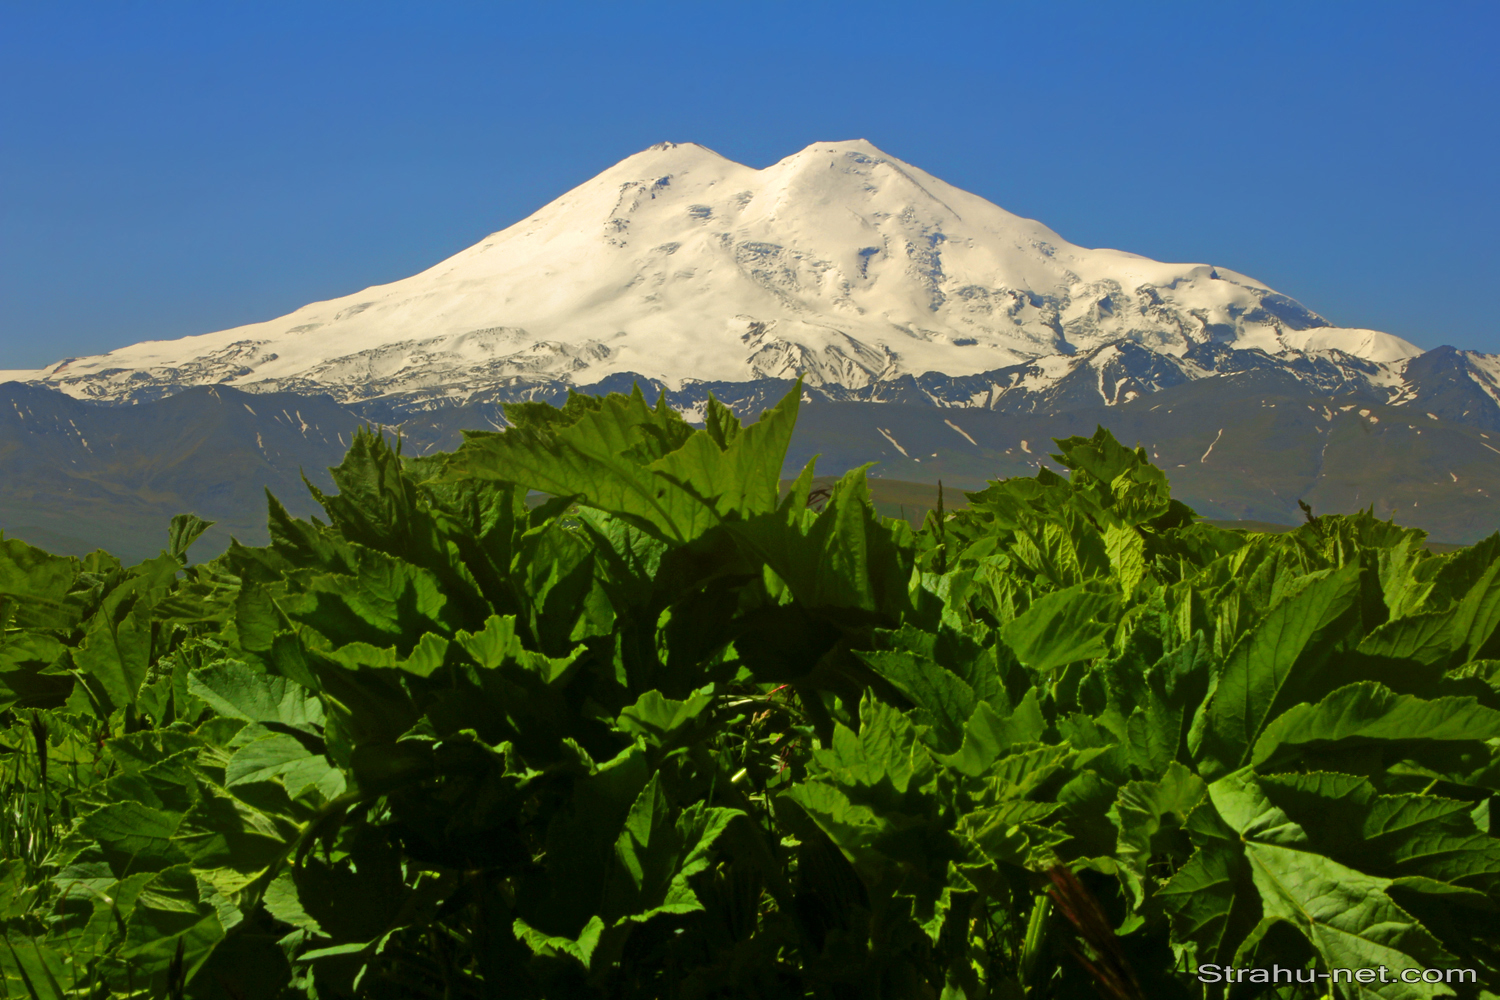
x: 840, y: 263
x: 1369, y: 344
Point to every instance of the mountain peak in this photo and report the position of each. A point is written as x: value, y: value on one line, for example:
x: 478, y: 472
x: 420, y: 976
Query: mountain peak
x: 839, y: 263
x: 862, y: 147
x: 678, y: 149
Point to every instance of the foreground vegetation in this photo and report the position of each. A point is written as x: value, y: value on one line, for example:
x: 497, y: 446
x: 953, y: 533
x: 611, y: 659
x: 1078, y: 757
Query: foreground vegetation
x: 670, y: 735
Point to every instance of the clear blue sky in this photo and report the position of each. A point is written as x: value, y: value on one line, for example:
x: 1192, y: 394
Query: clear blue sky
x: 171, y: 169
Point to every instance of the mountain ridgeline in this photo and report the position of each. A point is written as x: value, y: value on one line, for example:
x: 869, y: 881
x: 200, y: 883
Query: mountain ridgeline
x: 1247, y: 445
x: 934, y: 333
x: 840, y: 264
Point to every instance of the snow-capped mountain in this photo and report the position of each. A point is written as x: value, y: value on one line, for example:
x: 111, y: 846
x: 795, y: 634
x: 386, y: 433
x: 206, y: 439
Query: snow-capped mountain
x: 867, y: 276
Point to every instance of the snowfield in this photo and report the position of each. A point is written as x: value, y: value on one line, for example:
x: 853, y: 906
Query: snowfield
x: 839, y: 263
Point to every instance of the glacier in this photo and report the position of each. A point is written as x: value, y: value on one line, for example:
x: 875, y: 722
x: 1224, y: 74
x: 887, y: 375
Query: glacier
x: 862, y: 274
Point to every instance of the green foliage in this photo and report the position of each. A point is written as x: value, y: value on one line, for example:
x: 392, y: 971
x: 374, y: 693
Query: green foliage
x: 665, y: 735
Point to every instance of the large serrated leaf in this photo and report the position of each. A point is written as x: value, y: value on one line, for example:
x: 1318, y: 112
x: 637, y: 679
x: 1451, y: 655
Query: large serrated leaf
x: 644, y: 464
x: 656, y: 718
x: 1370, y: 712
x: 988, y: 735
x: 1345, y: 914
x: 118, y: 655
x: 1403, y: 836
x: 1145, y: 812
x: 238, y: 691
x: 1213, y: 904
x: 221, y: 831
x: 944, y: 697
x: 171, y: 908
x: 136, y: 837
x: 36, y: 584
x: 1064, y: 627
x: 844, y: 558
x: 284, y: 758
x: 1261, y: 676
x: 656, y: 854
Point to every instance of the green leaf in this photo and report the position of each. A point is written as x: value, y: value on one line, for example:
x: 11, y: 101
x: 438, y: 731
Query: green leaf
x: 183, y: 533
x: 376, y: 504
x: 498, y: 645
x: 134, y: 753
x: 237, y: 691
x: 283, y: 902
x: 256, y: 617
x: 493, y: 645
x: 1369, y: 712
x: 988, y: 736
x: 1122, y: 478
x: 1262, y: 676
x: 1065, y: 550
x: 1444, y: 891
x: 1014, y: 832
x: 1478, y: 613
x: 118, y: 655
x: 1063, y: 627
x: 33, y: 671
x: 643, y: 464
x: 656, y: 855
x: 580, y: 841
x: 221, y: 831
x: 1345, y: 914
x: 885, y: 751
x: 852, y: 827
x: 1426, y: 638
x: 737, y: 470
x: 1145, y: 813
x: 386, y: 602
x: 354, y: 901
x: 1127, y: 556
x: 279, y: 756
x: 40, y: 969
x: 1213, y: 904
x: 1398, y: 836
x: 843, y: 558
x: 136, y: 837
x: 36, y: 584
x: 1018, y: 775
x: 168, y: 909
x: 1406, y: 571
x: 580, y: 948
x: 943, y: 697
x: 657, y: 718
x: 646, y: 849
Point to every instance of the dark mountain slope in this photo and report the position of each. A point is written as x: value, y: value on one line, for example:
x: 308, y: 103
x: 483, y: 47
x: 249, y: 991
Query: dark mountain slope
x: 1244, y: 445
x: 113, y: 476
x: 1247, y: 446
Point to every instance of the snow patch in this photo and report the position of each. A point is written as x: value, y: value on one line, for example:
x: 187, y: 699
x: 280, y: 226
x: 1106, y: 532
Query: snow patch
x: 1372, y: 345
x: 961, y: 431
x: 887, y: 435
x: 1211, y: 446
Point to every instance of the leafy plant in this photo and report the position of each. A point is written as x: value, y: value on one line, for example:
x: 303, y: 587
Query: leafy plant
x: 676, y: 732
